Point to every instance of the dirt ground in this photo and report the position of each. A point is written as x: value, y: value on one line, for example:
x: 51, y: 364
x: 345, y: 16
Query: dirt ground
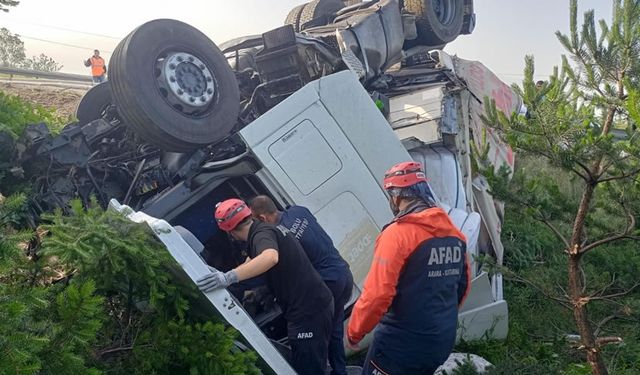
x: 64, y: 100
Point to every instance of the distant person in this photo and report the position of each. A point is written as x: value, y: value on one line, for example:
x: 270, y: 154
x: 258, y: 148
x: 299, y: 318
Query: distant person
x: 98, y: 67
x: 540, y: 85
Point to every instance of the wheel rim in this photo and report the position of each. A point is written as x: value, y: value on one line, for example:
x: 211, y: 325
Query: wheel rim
x: 445, y: 10
x: 186, y: 83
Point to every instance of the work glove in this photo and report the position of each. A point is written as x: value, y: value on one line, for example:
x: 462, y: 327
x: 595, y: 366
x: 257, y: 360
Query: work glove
x: 216, y: 280
x: 351, y: 344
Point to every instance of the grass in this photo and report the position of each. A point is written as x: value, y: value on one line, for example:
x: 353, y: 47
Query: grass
x: 538, y: 327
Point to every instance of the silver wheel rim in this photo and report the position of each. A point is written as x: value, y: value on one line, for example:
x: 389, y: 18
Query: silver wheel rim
x: 186, y: 82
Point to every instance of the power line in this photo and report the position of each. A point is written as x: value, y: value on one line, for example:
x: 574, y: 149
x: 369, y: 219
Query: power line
x: 70, y: 30
x: 77, y: 31
x: 61, y: 43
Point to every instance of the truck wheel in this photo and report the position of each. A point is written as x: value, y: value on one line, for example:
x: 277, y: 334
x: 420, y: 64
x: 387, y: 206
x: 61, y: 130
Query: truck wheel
x: 94, y: 103
x: 293, y: 18
x: 173, y: 86
x: 438, y: 21
x: 319, y: 13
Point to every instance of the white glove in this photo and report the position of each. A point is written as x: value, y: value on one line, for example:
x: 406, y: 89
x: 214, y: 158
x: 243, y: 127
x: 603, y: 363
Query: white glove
x: 216, y: 280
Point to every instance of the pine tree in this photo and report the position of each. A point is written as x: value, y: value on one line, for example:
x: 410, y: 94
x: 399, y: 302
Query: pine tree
x: 153, y: 323
x: 582, y: 121
x: 44, y: 329
x: 17, y: 342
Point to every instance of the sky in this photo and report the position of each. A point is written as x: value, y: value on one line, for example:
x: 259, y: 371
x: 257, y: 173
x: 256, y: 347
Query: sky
x: 69, y: 30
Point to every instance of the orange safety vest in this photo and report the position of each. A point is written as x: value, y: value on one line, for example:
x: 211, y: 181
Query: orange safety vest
x: 97, y: 66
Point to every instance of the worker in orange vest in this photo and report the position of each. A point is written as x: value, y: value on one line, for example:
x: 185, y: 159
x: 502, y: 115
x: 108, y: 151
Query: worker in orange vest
x: 98, y: 67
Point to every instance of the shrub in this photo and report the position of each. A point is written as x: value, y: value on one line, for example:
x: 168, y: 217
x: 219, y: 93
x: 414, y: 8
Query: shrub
x: 102, y: 294
x: 148, y: 299
x: 16, y: 113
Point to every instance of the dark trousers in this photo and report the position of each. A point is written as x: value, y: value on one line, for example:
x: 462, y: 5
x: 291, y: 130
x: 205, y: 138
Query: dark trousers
x: 341, y: 290
x: 309, y: 340
x: 380, y: 363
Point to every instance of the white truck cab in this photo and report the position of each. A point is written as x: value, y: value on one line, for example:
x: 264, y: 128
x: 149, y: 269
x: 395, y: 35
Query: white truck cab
x: 326, y: 147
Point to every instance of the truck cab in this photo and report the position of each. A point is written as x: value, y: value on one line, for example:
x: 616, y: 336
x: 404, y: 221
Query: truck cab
x: 326, y: 147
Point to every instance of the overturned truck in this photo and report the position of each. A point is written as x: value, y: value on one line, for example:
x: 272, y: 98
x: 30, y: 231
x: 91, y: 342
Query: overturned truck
x: 311, y: 113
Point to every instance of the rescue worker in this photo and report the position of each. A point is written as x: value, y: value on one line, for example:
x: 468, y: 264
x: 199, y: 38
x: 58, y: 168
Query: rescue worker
x: 419, y: 278
x: 324, y: 257
x: 98, y: 67
x: 305, y: 300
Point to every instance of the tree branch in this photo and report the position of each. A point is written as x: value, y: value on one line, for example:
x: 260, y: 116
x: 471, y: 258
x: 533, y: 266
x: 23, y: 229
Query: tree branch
x: 104, y: 352
x: 113, y: 350
x: 551, y: 158
x: 602, y: 323
x: 602, y: 341
x: 615, y: 295
x: 564, y: 292
x: 555, y: 231
x: 588, y: 177
x: 616, y: 237
x: 585, y: 63
x: 601, y: 292
x: 562, y: 301
x: 623, y: 176
x: 613, y: 161
x: 583, y: 177
x: 528, y: 132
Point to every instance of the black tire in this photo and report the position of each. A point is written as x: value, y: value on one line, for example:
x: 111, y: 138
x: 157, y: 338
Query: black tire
x: 319, y: 13
x: 293, y: 18
x: 150, y: 108
x: 141, y: 131
x: 94, y: 103
x: 438, y: 21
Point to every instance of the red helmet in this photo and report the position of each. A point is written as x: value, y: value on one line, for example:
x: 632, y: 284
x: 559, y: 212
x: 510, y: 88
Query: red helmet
x: 230, y: 213
x: 404, y: 174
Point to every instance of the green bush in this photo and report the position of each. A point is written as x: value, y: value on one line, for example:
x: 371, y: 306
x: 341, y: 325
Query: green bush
x: 16, y: 113
x: 92, y: 292
x: 181, y: 348
x: 127, y: 263
x: 151, y: 328
x: 44, y: 329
